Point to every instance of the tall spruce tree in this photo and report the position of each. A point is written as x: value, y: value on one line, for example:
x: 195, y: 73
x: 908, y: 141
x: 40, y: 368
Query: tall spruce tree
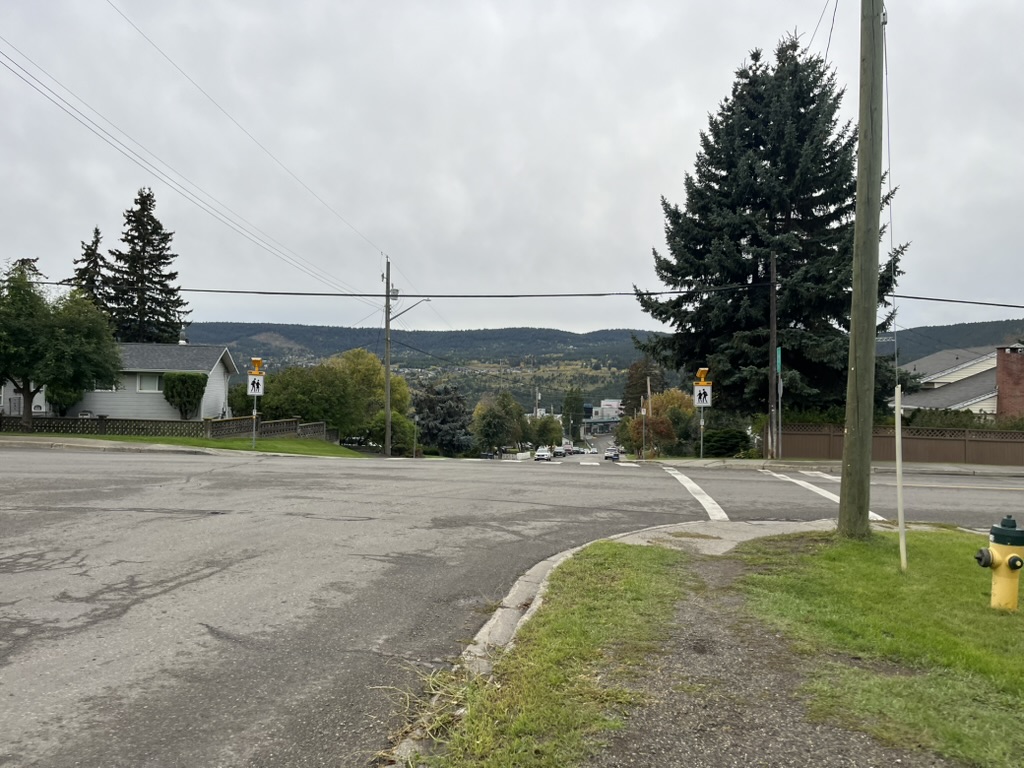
x: 92, y: 273
x: 635, y: 389
x: 444, y: 419
x: 775, y: 175
x: 144, y: 304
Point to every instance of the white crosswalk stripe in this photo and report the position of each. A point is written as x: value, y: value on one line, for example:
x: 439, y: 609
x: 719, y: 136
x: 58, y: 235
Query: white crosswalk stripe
x: 715, y: 512
x: 821, y: 475
x: 815, y: 489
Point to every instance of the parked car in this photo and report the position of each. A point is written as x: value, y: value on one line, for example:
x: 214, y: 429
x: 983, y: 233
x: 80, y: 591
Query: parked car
x: 578, y: 449
x: 558, y: 452
x: 612, y: 453
x: 542, y: 454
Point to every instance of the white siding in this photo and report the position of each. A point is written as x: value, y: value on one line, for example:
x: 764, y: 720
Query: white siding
x: 127, y: 403
x: 982, y: 364
x: 215, y: 399
x: 988, y: 405
x: 11, y: 402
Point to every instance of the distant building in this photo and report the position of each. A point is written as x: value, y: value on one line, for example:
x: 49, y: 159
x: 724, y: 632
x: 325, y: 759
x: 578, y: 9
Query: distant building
x: 604, y: 418
x: 978, y: 379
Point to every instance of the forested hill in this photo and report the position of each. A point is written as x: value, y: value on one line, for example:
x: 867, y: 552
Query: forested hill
x: 915, y: 343
x: 283, y: 345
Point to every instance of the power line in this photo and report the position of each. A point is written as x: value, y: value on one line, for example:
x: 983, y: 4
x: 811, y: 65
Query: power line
x: 242, y: 127
x: 831, y: 29
x: 595, y: 295
x: 957, y: 301
x: 208, y: 207
x: 820, y: 17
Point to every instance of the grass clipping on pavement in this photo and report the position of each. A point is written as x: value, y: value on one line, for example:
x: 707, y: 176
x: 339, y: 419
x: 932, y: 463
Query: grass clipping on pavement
x: 917, y: 659
x: 554, y: 691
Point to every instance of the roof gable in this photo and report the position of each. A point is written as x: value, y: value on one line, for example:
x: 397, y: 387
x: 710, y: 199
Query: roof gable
x: 199, y: 358
x: 948, y: 360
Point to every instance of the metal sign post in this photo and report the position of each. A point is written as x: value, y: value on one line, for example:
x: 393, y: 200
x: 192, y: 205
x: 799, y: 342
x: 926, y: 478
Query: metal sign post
x: 256, y: 390
x: 702, y: 400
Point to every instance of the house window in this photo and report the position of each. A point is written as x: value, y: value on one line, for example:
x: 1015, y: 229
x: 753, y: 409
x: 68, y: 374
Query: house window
x: 151, y: 382
x: 114, y: 388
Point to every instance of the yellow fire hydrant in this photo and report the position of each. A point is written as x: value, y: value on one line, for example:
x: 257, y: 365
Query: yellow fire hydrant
x: 1005, y: 556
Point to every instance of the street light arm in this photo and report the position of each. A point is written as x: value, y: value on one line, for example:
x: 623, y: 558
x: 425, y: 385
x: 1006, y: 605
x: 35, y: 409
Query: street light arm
x: 399, y: 314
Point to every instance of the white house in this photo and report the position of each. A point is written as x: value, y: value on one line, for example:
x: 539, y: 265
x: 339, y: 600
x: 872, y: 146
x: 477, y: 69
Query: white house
x: 139, y: 393
x: 957, y: 379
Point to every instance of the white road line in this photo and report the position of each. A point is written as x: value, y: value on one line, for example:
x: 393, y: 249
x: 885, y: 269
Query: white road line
x: 815, y: 489
x: 714, y: 511
x: 627, y: 464
x: 590, y: 463
x: 822, y: 475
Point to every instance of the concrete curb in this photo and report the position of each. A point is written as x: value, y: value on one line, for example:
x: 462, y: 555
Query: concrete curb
x: 527, y: 594
x: 101, y: 446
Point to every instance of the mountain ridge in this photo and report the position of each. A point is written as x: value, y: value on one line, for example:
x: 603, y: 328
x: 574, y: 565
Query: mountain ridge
x: 300, y: 344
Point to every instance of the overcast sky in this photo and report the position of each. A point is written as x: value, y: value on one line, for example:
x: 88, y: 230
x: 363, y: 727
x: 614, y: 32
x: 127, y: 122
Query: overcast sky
x: 504, y: 147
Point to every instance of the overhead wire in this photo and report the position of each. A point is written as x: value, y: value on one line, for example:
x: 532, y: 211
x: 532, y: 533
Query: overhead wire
x: 243, y: 129
x: 888, y: 176
x: 831, y: 29
x: 589, y: 295
x: 212, y: 207
x: 820, y: 17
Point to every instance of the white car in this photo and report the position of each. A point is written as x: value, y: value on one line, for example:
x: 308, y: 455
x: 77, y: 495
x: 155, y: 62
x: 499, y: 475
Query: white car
x: 612, y: 453
x: 542, y: 454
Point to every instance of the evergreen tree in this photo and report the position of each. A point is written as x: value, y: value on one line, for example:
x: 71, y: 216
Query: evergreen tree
x: 572, y: 413
x: 774, y: 176
x: 92, y: 273
x: 144, y: 304
x: 443, y: 419
x: 64, y: 344
x: 636, y: 384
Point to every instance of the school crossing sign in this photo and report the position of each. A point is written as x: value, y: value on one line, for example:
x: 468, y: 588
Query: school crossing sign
x: 702, y: 390
x: 256, y: 378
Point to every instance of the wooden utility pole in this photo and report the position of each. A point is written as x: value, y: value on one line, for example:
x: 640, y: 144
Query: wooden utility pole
x: 387, y: 357
x: 773, y: 342
x: 855, y: 492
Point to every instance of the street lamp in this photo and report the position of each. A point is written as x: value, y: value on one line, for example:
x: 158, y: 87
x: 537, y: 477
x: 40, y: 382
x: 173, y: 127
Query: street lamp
x: 390, y: 293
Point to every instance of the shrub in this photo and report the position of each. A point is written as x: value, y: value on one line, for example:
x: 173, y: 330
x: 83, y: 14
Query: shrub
x: 185, y: 391
x: 727, y: 443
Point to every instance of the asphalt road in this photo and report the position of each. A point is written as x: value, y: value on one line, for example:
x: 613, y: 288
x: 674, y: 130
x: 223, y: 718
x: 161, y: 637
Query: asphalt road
x: 242, y: 610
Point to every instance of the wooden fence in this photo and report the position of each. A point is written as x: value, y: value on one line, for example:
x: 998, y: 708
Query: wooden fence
x: 943, y: 446
x: 207, y: 428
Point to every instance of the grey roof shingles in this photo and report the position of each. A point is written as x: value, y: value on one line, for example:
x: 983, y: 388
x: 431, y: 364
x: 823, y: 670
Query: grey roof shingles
x: 199, y: 358
x: 956, y: 394
x: 946, y: 360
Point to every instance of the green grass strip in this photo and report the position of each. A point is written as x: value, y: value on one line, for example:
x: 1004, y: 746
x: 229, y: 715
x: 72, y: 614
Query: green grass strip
x: 561, y: 683
x: 928, y: 662
x: 295, y: 446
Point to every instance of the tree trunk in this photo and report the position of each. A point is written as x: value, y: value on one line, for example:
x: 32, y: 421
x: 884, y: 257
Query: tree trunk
x: 27, y: 396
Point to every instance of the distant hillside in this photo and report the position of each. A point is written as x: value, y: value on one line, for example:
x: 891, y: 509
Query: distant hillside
x: 284, y: 345
x: 915, y: 343
x: 522, y: 360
